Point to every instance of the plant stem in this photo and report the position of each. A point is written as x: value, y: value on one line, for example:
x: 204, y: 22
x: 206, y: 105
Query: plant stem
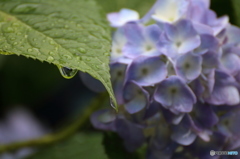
x: 64, y: 133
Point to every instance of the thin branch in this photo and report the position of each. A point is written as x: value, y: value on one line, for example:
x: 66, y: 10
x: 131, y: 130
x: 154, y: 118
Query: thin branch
x: 52, y: 138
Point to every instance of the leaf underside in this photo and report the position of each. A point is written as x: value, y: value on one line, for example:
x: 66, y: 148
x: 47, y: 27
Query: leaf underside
x: 67, y: 33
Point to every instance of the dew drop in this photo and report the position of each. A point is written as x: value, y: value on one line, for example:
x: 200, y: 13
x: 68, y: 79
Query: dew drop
x: 78, y: 58
x: 67, y: 57
x: 51, y: 53
x: 95, y: 45
x: 82, y: 50
x: 112, y: 103
x: 67, y: 72
x: 9, y: 30
x: 25, y: 8
x: 51, y: 42
x: 30, y: 50
x: 106, y: 54
x: 15, y: 24
x: 50, y: 58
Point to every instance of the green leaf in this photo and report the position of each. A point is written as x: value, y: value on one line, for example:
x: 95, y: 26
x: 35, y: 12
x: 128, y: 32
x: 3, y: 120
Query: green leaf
x: 67, y: 33
x: 236, y: 7
x: 79, y: 146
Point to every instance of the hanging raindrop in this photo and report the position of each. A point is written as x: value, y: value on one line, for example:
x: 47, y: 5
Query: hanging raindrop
x: 67, y: 72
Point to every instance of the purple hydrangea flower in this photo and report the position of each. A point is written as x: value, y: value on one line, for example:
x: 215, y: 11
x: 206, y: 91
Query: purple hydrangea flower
x: 175, y: 73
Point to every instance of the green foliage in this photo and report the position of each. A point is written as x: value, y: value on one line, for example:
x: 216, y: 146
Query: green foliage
x: 142, y: 6
x: 236, y: 7
x: 115, y: 149
x: 79, y: 146
x: 67, y: 33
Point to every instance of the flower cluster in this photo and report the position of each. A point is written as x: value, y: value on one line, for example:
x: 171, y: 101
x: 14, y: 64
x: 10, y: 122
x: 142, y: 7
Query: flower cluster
x: 175, y: 74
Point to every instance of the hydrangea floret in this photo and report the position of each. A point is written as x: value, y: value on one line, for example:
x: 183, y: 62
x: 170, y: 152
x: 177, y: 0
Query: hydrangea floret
x: 175, y: 73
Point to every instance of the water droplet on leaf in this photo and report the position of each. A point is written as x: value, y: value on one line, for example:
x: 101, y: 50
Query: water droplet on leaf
x: 51, y: 53
x: 29, y: 50
x: 50, y: 58
x: 82, y: 50
x: 67, y: 72
x: 67, y: 57
x: 9, y: 30
x: 112, y: 104
x: 25, y: 8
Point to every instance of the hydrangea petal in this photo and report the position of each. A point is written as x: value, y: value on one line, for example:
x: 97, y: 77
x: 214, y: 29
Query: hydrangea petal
x: 233, y: 34
x: 179, y: 38
x: 141, y: 40
x: 135, y: 97
x: 118, y: 19
x: 167, y: 10
x: 189, y: 66
x: 175, y: 95
x: 118, y: 43
x: 103, y: 119
x: 182, y: 135
x: 189, y: 44
x: 208, y: 43
x: 146, y: 71
x: 131, y: 133
x: 230, y: 63
x: 117, y: 78
x: 224, y: 91
x: 92, y: 83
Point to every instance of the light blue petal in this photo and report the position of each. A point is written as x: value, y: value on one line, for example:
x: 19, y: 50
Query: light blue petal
x: 146, y: 71
x: 189, y: 66
x: 135, y: 97
x: 175, y: 95
x: 118, y: 19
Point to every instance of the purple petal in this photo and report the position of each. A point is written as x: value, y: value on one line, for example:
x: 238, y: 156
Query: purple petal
x: 175, y: 95
x: 233, y: 34
x: 208, y: 43
x: 131, y: 133
x: 189, y: 66
x: 153, y: 32
x: 224, y: 91
x: 92, y: 83
x: 134, y: 33
x: 104, y: 119
x: 167, y: 10
x: 211, y: 59
x: 135, y: 97
x: 189, y: 44
x: 202, y: 28
x: 182, y: 135
x: 205, y: 115
x: 117, y: 77
x: 185, y: 29
x: 118, y: 43
x: 171, y: 117
x: 146, y: 71
x: 230, y: 63
x: 118, y: 19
